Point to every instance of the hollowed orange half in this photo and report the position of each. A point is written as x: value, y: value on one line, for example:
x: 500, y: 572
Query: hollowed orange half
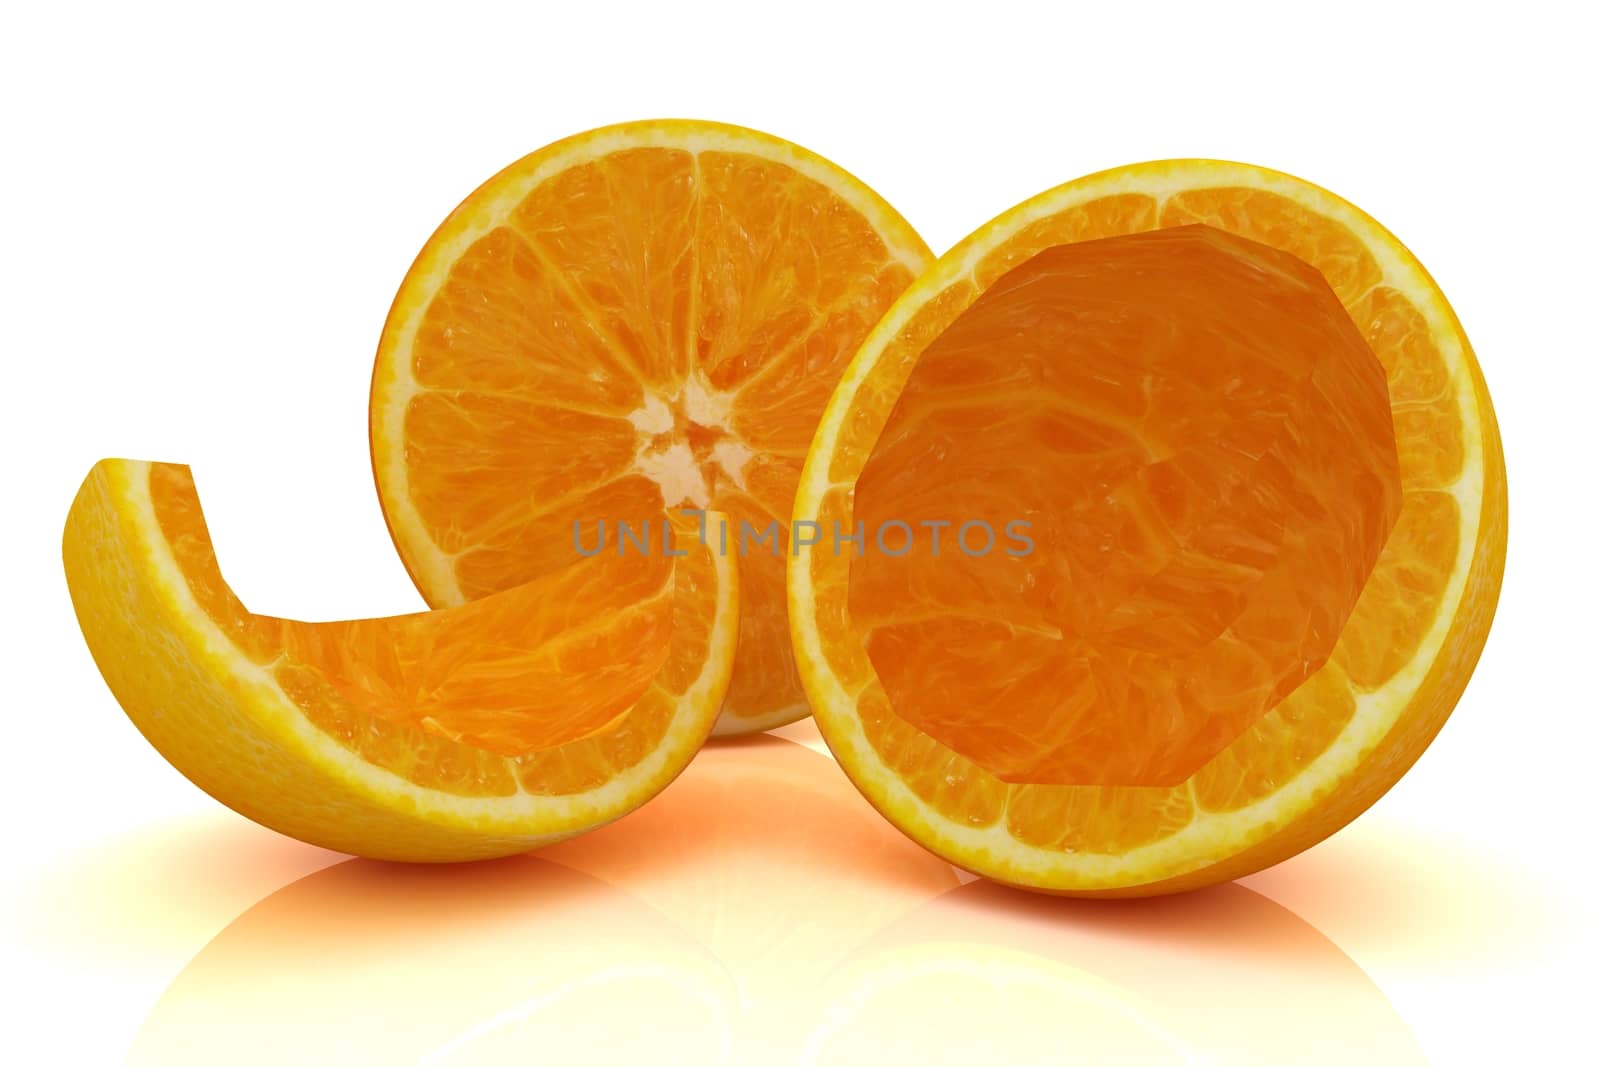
x: 483, y: 730
x: 1223, y: 519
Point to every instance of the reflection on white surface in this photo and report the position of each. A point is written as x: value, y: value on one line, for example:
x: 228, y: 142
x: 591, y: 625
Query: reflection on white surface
x: 757, y: 912
x: 369, y: 963
x: 1223, y: 976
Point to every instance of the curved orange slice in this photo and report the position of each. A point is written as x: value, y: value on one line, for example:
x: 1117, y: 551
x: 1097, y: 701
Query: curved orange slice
x: 640, y: 317
x: 484, y: 730
x: 1265, y: 511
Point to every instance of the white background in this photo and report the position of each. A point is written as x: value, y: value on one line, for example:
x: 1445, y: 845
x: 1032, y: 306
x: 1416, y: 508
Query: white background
x: 206, y: 215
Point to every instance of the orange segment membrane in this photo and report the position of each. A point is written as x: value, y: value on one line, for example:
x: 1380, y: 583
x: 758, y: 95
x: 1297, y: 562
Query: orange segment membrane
x: 1160, y: 469
x: 619, y: 234
x: 463, y: 698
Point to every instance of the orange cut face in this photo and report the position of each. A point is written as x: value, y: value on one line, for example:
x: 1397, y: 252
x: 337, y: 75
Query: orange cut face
x: 640, y: 319
x: 1127, y: 502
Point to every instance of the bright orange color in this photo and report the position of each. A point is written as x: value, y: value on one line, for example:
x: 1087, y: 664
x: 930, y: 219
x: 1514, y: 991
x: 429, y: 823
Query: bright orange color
x: 1199, y: 441
x: 639, y: 318
x: 1319, y: 756
x: 487, y: 729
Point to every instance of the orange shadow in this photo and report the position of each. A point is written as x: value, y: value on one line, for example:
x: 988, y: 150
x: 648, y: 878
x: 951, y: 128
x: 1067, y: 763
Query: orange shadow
x: 1418, y: 900
x: 152, y: 898
x: 377, y: 963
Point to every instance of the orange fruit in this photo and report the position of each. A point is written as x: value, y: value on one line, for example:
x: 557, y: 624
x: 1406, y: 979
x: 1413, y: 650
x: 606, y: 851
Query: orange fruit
x: 1261, y: 520
x: 484, y: 730
x: 642, y: 317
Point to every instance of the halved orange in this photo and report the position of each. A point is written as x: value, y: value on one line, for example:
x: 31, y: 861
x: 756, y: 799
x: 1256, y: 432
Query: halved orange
x: 483, y: 730
x: 646, y: 316
x: 1262, y: 513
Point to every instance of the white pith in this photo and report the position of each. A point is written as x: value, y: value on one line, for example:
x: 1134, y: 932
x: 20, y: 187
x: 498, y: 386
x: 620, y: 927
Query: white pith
x: 684, y: 478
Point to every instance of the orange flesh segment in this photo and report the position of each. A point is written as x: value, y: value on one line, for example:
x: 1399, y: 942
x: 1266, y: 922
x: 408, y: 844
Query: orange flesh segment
x: 547, y: 688
x: 1200, y: 441
x: 643, y: 332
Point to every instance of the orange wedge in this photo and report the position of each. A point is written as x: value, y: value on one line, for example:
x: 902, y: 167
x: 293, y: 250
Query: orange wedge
x: 1264, y: 498
x: 634, y: 319
x: 484, y: 730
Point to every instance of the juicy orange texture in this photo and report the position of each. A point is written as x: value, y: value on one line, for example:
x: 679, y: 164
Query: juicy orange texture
x: 641, y: 318
x: 1196, y: 440
x: 445, y: 697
